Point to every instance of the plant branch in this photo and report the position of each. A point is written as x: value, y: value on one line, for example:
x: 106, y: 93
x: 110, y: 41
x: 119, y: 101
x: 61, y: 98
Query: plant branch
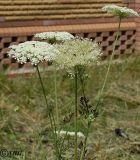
x: 76, y: 113
x: 53, y: 127
x: 109, y: 66
x: 85, y: 142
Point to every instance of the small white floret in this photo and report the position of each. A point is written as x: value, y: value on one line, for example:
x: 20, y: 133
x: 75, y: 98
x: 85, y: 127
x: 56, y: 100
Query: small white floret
x: 34, y: 51
x: 76, y: 52
x: 121, y: 12
x: 67, y: 133
x: 56, y: 36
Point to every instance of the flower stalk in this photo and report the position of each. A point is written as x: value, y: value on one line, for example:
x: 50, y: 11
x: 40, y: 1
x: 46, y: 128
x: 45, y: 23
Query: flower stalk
x: 89, y: 121
x: 76, y: 113
x: 56, y: 96
x: 51, y: 118
x: 72, y: 54
x: 109, y: 66
x: 82, y: 157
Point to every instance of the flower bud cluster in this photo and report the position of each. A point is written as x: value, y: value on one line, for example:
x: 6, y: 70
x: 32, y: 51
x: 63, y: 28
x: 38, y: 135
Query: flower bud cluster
x: 79, y: 51
x: 55, y: 36
x: 33, y: 51
x: 121, y: 12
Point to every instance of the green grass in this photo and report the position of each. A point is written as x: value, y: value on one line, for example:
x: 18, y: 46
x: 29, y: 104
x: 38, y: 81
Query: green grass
x: 23, y: 117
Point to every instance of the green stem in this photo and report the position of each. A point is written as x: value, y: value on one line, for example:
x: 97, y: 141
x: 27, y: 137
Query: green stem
x: 85, y: 142
x: 56, y: 97
x: 58, y: 153
x: 50, y: 115
x: 109, y: 66
x: 82, y: 85
x: 76, y: 115
x: 89, y: 123
x: 43, y: 89
x: 62, y: 144
x: 82, y: 81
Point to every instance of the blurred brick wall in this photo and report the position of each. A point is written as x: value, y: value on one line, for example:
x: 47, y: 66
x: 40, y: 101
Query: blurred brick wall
x: 101, y: 30
x: 137, y: 7
x: 103, y: 33
x: 135, y: 4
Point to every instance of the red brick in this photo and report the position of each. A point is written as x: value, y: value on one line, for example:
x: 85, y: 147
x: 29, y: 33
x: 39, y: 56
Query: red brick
x: 111, y: 38
x: 22, y: 39
x: 105, y: 34
x: 123, y: 37
x: 1, y: 45
x: 28, y: 65
x: 99, y: 39
x: 13, y: 43
x: 6, y: 39
x: 129, y: 42
x: 80, y: 35
x: 1, y: 56
x: 14, y: 65
x: 137, y: 1
x: 129, y: 32
x: 137, y: 48
x: 123, y: 47
x: 79, y: 27
x: 4, y: 50
x: 137, y: 43
x: 6, y: 61
x: 105, y: 43
x: 90, y: 35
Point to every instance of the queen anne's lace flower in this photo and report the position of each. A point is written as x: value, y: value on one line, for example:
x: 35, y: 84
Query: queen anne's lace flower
x: 57, y: 36
x: 121, y: 12
x: 34, y: 51
x: 63, y: 133
x: 77, y: 52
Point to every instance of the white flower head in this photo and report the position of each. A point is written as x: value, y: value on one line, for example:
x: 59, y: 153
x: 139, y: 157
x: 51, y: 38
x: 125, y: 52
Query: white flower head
x: 34, y: 51
x: 67, y: 133
x: 76, y: 52
x: 121, y: 12
x: 54, y: 36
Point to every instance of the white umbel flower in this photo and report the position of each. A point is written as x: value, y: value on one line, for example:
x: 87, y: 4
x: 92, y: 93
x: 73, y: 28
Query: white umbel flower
x: 64, y: 133
x: 77, y: 52
x: 55, y: 36
x: 121, y: 12
x: 33, y: 51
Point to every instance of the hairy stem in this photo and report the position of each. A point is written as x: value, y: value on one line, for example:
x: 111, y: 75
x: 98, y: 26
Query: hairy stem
x: 82, y: 85
x: 108, y: 68
x: 56, y: 96
x: 53, y: 127
x: 76, y: 115
x: 89, y: 123
x: 82, y: 157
